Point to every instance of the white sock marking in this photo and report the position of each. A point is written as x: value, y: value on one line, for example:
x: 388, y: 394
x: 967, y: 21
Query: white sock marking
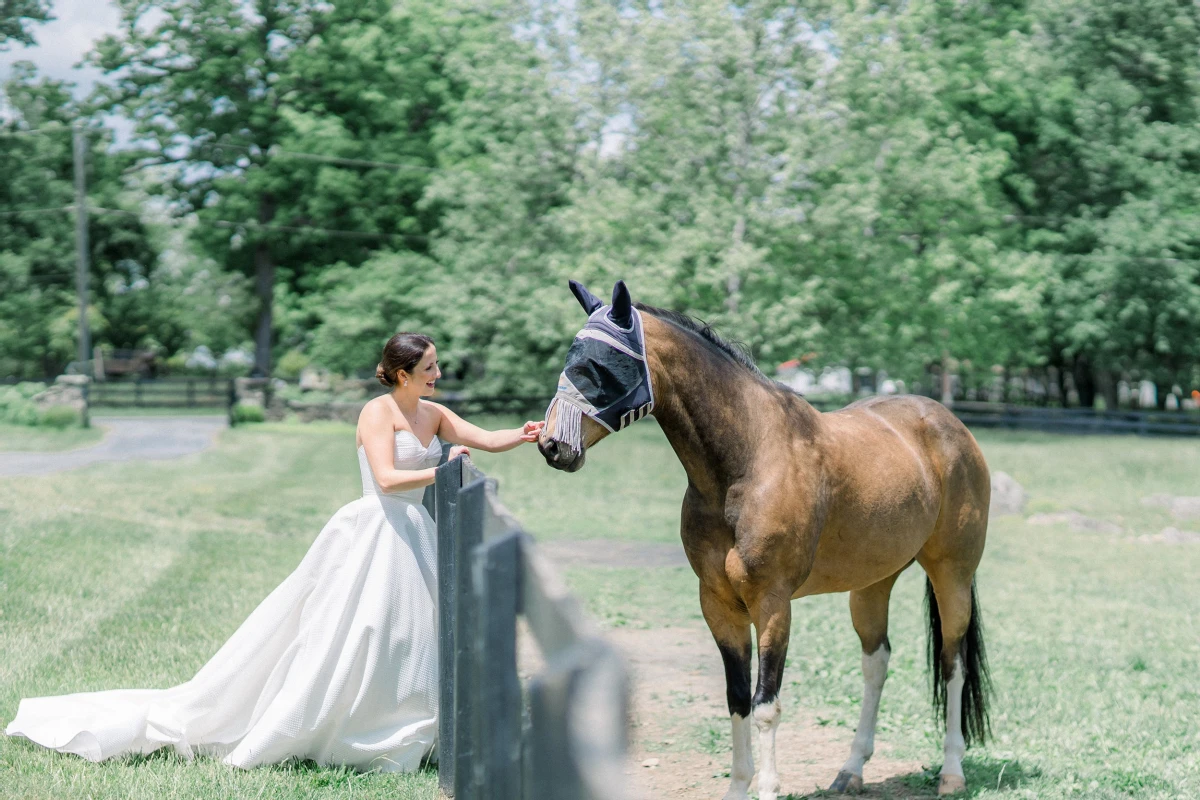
x: 742, y: 771
x: 956, y: 745
x: 766, y: 717
x: 874, y: 667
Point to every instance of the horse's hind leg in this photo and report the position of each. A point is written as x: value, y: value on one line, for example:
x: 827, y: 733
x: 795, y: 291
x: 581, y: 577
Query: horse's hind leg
x: 730, y: 626
x: 960, y: 667
x: 869, y: 613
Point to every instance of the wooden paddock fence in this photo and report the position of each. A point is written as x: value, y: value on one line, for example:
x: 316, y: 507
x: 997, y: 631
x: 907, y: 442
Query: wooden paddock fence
x: 206, y: 392
x: 560, y: 735
x: 161, y: 393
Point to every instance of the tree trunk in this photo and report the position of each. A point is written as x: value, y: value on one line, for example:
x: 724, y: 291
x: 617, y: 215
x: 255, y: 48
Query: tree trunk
x: 1164, y: 389
x: 1085, y: 383
x: 264, y: 289
x: 1108, y: 388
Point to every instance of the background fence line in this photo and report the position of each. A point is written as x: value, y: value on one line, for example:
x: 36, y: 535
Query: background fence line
x: 213, y: 392
x: 565, y: 735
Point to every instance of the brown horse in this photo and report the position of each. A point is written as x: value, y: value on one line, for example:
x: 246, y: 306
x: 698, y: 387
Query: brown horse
x: 783, y: 502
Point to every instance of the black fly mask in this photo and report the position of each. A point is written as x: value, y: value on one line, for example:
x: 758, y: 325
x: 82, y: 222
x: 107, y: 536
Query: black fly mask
x: 606, y: 375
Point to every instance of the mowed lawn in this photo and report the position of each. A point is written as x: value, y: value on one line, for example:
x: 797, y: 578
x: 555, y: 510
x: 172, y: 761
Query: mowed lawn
x: 132, y: 576
x: 27, y: 438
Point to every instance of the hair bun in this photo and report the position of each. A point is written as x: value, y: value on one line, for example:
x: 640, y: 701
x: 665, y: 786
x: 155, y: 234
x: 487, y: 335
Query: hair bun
x: 382, y: 376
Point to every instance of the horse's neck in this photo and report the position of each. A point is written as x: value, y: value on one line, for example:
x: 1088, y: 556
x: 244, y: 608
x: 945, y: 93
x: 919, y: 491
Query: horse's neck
x: 712, y: 411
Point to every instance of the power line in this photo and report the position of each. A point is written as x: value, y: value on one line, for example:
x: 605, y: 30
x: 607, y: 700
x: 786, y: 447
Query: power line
x: 274, y: 151
x: 31, y: 131
x: 20, y: 211
x: 255, y: 226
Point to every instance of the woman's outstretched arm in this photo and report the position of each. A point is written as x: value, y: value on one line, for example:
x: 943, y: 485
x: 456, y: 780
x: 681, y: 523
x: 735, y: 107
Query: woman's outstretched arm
x: 456, y: 430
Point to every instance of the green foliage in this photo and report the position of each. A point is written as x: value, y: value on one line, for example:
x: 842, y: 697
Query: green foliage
x: 871, y: 186
x: 59, y: 417
x: 15, y: 16
x: 16, y: 408
x: 248, y: 412
x: 291, y: 364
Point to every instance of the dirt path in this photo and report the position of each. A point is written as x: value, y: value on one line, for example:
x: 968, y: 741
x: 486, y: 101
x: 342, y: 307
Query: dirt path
x: 679, y: 686
x: 126, y: 439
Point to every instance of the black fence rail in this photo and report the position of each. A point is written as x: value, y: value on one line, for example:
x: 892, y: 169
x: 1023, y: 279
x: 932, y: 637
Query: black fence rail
x: 561, y: 735
x: 1078, y: 420
x: 161, y: 393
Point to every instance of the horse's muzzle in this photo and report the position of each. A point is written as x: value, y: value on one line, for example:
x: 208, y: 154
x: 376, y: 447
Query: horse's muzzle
x: 560, y: 456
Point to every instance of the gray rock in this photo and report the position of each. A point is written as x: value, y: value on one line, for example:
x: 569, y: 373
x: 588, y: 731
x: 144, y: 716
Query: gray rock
x: 1171, y: 536
x: 1075, y: 521
x: 1008, y: 497
x: 1180, y: 507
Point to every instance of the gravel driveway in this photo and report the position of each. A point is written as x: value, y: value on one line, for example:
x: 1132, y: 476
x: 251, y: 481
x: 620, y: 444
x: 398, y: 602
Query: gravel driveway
x: 126, y: 439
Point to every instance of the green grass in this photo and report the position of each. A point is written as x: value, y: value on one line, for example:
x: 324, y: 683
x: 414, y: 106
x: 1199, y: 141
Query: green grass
x: 132, y: 575
x: 27, y: 438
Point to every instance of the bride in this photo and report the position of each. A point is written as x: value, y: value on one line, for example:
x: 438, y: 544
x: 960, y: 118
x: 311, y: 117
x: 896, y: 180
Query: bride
x: 339, y: 663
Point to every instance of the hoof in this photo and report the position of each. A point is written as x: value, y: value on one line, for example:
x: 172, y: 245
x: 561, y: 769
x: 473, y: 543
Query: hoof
x: 847, y: 783
x: 951, y: 784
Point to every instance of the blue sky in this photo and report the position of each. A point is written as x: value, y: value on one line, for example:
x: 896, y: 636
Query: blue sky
x: 62, y: 43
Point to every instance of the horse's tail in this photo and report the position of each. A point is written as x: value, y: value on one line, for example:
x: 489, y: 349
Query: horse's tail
x: 977, y: 686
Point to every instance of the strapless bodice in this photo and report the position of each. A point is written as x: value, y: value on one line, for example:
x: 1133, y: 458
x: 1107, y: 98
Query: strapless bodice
x: 408, y: 453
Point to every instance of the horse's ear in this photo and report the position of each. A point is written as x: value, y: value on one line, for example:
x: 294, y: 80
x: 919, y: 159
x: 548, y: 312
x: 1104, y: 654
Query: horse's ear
x: 622, y: 306
x: 586, y: 299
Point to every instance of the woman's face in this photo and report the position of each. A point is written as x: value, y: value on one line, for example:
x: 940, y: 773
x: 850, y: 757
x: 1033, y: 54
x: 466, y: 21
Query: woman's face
x: 426, y: 372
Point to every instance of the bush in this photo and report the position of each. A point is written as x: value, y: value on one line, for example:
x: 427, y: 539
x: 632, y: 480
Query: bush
x: 59, y: 417
x: 291, y: 364
x: 246, y: 412
x: 15, y: 405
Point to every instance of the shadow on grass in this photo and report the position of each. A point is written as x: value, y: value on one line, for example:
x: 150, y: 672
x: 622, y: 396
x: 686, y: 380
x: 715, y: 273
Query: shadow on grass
x: 983, y: 774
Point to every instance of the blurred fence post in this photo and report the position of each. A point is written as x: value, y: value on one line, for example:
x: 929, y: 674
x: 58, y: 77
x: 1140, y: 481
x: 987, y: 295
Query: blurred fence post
x: 446, y: 487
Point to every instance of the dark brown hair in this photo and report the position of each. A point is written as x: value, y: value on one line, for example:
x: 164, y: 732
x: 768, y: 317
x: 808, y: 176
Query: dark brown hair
x: 402, y: 352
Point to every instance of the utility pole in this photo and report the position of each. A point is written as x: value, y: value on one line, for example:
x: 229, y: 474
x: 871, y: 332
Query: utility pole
x: 81, y: 241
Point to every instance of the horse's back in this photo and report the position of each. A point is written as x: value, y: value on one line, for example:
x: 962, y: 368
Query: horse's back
x: 926, y: 422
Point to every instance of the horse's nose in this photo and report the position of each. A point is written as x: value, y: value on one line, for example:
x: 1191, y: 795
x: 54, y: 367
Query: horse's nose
x: 550, y: 449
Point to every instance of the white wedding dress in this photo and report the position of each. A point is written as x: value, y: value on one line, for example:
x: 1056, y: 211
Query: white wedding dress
x: 338, y: 664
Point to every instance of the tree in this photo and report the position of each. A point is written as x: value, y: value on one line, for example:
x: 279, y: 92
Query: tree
x: 38, y: 305
x: 229, y: 92
x: 15, y: 16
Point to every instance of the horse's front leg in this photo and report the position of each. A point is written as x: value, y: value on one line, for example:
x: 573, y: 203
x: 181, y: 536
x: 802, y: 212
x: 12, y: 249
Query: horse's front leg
x: 772, y: 615
x: 730, y: 626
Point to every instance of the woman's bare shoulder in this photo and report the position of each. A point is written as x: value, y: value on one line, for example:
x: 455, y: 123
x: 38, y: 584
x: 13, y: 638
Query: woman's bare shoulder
x: 375, y: 407
x: 374, y: 414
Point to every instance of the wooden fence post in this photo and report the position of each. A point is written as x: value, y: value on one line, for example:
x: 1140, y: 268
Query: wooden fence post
x: 472, y: 502
x: 497, y: 579
x: 552, y: 767
x: 447, y: 485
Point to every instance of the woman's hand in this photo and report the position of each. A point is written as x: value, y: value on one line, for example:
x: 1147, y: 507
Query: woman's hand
x: 531, y: 430
x: 458, y: 450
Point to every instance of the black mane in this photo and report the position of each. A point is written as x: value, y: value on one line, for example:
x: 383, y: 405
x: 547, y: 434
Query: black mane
x: 735, y: 350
